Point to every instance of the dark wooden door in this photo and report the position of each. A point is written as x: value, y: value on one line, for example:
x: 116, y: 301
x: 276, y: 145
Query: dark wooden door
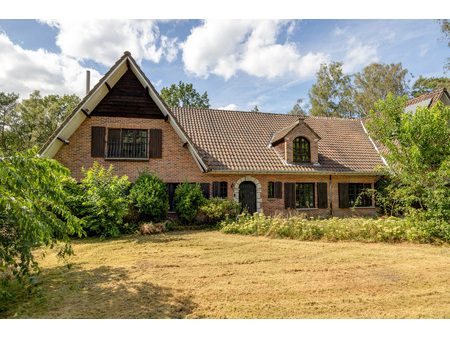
x: 247, y: 196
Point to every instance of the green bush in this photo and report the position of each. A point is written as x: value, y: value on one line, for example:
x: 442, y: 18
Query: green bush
x: 149, y: 196
x: 106, y: 203
x: 75, y: 197
x: 216, y: 210
x: 384, y: 229
x: 187, y: 200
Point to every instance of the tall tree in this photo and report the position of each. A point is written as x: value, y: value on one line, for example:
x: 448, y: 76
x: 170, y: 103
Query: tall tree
x: 375, y: 82
x: 425, y: 85
x: 297, y: 109
x: 7, y: 104
x: 331, y: 95
x: 184, y: 95
x: 445, y: 29
x: 35, y: 119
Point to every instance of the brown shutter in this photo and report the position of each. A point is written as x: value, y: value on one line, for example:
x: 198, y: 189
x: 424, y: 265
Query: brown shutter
x: 289, y: 195
x: 205, y: 189
x: 278, y: 190
x: 216, y: 189
x: 98, y: 141
x: 155, y: 143
x: 343, y: 195
x: 322, y: 195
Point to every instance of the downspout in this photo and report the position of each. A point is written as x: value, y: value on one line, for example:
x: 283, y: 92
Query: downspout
x: 331, y: 200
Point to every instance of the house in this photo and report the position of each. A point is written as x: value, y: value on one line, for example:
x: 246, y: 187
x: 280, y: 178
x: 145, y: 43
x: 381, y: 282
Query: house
x: 268, y: 162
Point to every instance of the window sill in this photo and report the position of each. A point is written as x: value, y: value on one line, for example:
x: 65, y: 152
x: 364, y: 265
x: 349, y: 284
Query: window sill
x: 126, y: 159
x: 271, y: 198
x: 305, y: 208
x: 371, y: 207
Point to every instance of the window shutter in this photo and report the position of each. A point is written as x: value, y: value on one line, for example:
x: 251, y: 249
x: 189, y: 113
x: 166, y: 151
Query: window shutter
x: 205, y: 189
x: 322, y: 195
x: 98, y: 141
x: 278, y: 190
x: 155, y: 143
x: 343, y: 195
x: 216, y: 189
x: 289, y: 195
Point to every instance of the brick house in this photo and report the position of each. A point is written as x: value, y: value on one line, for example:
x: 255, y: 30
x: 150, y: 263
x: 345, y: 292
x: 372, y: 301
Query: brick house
x: 269, y: 162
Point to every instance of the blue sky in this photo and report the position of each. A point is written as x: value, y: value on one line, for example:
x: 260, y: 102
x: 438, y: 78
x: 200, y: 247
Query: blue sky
x: 240, y: 63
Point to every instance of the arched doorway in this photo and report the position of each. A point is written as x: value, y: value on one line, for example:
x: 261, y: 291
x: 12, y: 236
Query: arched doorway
x: 237, y: 195
x: 247, y: 196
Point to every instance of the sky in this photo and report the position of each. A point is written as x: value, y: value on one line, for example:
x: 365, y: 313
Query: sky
x: 240, y: 63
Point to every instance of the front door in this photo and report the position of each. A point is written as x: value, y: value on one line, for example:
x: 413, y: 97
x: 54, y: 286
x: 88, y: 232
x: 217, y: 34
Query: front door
x: 247, y: 196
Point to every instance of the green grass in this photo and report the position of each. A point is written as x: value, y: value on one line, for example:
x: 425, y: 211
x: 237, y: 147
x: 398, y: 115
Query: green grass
x: 208, y: 274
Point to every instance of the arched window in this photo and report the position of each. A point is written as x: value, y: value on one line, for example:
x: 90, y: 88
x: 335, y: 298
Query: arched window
x: 301, y: 150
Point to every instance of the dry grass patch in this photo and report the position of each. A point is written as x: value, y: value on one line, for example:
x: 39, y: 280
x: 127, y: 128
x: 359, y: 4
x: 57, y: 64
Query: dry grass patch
x: 207, y: 274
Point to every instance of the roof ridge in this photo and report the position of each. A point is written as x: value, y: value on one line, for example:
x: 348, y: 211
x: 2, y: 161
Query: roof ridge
x: 422, y: 97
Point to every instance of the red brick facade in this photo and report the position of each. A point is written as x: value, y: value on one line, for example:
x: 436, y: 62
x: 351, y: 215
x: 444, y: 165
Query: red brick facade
x: 178, y: 165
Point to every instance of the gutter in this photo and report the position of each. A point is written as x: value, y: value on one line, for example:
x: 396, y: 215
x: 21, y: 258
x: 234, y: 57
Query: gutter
x: 334, y: 173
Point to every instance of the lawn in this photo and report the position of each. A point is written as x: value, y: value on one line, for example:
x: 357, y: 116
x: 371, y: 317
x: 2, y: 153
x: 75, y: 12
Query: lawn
x: 208, y: 274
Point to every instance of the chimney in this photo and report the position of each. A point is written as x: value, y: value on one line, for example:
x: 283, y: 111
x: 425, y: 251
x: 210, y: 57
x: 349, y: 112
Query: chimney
x: 88, y: 81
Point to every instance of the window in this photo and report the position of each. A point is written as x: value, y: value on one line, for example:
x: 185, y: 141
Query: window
x: 220, y: 189
x: 304, y: 195
x: 271, y: 190
x: 354, y: 190
x: 127, y: 143
x: 301, y: 150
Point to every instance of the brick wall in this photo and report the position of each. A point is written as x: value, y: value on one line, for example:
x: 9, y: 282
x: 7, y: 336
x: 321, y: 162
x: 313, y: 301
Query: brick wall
x: 178, y: 165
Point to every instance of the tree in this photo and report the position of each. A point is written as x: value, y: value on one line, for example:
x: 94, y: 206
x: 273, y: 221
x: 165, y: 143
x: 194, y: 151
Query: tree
x: 375, y: 82
x: 255, y: 109
x: 36, y: 118
x: 445, y: 29
x: 425, y: 85
x: 7, y: 104
x: 418, y: 155
x: 297, y: 109
x: 184, y: 95
x: 188, y: 200
x: 32, y: 212
x: 331, y: 95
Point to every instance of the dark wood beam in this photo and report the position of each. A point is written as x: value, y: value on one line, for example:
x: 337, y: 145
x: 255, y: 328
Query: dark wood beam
x: 108, y: 86
x: 166, y: 118
x: 185, y: 144
x: 86, y: 113
x: 128, y: 64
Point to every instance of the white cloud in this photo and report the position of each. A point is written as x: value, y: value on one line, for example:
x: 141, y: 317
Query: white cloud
x: 224, y: 47
x: 358, y: 55
x: 231, y: 106
x: 105, y: 40
x: 23, y: 71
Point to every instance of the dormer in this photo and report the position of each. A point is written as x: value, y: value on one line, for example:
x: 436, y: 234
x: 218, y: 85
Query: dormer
x: 297, y: 143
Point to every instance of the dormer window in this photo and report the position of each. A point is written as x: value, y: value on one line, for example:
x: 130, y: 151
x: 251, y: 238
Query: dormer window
x: 301, y: 150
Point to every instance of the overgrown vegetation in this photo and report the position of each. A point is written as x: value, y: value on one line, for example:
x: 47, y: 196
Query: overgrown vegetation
x: 32, y: 214
x: 384, y: 229
x: 149, y: 196
x: 216, y: 210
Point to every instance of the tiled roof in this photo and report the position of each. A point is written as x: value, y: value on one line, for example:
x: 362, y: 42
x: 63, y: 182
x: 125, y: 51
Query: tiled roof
x: 435, y: 95
x: 239, y: 141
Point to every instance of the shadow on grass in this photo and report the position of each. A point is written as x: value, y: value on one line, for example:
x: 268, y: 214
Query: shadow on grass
x: 103, y: 292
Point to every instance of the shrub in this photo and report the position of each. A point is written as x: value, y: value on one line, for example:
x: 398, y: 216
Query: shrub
x: 75, y: 197
x: 187, y: 200
x: 216, y: 210
x: 106, y: 203
x: 149, y: 196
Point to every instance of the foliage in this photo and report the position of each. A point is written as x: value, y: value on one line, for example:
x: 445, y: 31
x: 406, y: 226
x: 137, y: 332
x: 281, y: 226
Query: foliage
x: 76, y: 197
x: 445, y: 29
x: 384, y: 229
x: 297, y: 109
x: 36, y: 118
x: 187, y: 200
x: 184, y: 95
x: 32, y: 212
x: 424, y: 85
x: 216, y: 210
x: 418, y: 154
x: 255, y: 109
x: 375, y: 82
x: 149, y: 196
x: 7, y: 105
x: 331, y: 95
x: 106, y: 203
